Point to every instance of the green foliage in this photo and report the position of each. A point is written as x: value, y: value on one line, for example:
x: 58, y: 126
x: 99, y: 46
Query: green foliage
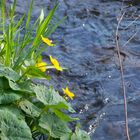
x: 77, y: 135
x: 13, y: 127
x: 8, y: 96
x: 55, y: 126
x: 51, y: 98
x: 28, y: 109
x: 38, y: 107
x: 80, y: 135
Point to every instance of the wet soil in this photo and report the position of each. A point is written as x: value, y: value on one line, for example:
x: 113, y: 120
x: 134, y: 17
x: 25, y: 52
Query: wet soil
x: 86, y: 46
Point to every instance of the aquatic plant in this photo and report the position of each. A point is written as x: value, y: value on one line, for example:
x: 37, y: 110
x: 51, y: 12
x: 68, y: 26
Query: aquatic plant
x: 28, y: 109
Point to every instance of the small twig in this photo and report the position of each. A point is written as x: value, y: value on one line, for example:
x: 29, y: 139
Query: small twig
x: 122, y: 76
x: 129, y: 39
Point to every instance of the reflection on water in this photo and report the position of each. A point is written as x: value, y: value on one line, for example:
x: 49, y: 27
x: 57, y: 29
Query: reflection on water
x: 86, y: 46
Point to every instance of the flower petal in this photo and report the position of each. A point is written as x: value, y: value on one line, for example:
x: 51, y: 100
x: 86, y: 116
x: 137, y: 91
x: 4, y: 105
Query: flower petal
x: 47, y: 41
x: 68, y: 93
x: 42, y: 66
x: 55, y: 63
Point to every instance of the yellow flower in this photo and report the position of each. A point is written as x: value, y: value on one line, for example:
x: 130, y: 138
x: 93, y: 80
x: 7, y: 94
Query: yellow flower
x: 42, y: 66
x: 47, y: 41
x: 68, y: 93
x: 55, y: 63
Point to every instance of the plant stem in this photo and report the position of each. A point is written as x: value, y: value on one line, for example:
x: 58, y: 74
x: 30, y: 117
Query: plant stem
x: 122, y: 77
x: 22, y: 76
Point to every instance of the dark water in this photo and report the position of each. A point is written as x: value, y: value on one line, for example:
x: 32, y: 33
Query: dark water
x: 86, y: 45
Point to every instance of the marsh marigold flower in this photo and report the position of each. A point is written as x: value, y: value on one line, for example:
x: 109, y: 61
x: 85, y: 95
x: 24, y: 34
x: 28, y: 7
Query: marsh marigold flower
x: 47, y: 41
x: 41, y: 66
x: 55, y: 63
x: 68, y: 93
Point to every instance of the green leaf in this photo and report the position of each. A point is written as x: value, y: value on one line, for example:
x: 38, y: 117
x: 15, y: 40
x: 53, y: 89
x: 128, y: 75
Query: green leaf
x: 25, y: 86
x: 51, y: 98
x: 13, y: 128
x: 29, y: 15
x: 30, y: 108
x: 36, y: 73
x: 66, y: 137
x: 41, y: 17
x: 8, y: 96
x: 43, y: 26
x: 19, y: 22
x: 15, y: 109
x: 4, y: 83
x: 13, y: 8
x: 10, y: 80
x: 54, y: 26
x: 8, y: 73
x: 55, y: 126
x: 3, y: 14
x: 63, y: 116
x: 80, y: 135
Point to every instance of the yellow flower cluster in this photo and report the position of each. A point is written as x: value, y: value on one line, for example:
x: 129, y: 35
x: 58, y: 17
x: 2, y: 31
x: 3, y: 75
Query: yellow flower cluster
x: 43, y: 66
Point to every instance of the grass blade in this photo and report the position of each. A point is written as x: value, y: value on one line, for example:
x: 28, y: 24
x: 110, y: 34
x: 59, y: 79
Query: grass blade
x: 29, y: 14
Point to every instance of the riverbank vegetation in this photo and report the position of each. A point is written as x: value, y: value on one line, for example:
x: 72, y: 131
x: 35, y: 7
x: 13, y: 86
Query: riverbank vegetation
x: 28, y: 109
